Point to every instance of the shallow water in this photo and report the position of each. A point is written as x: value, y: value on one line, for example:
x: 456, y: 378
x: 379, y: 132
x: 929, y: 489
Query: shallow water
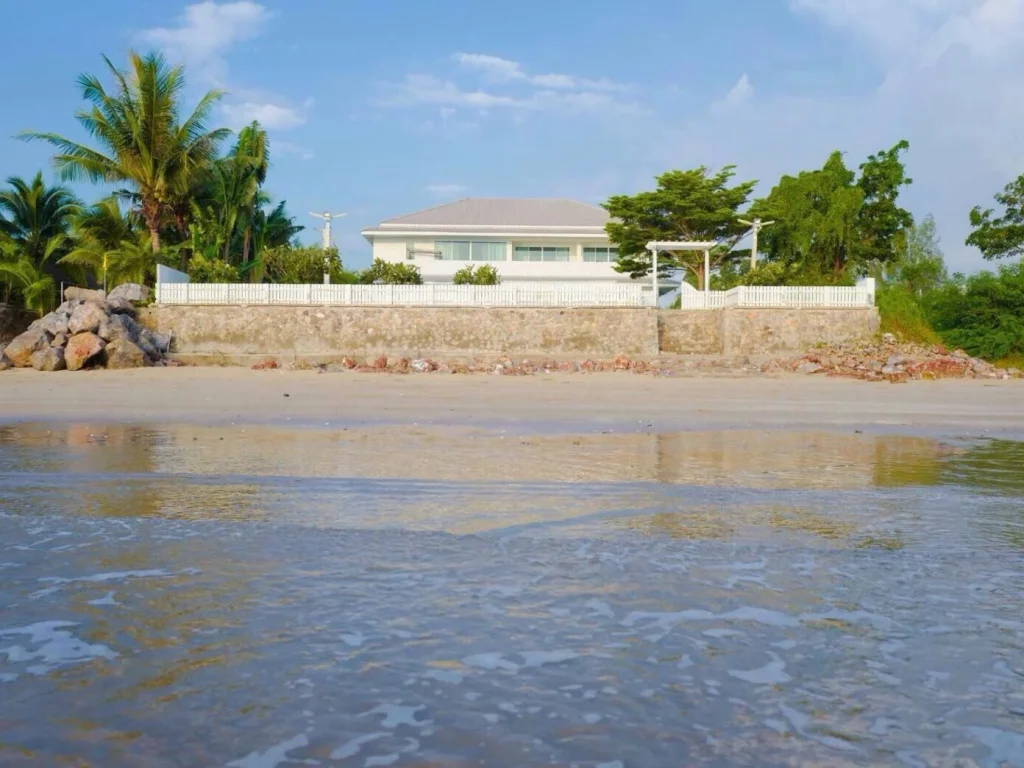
x: 217, y: 596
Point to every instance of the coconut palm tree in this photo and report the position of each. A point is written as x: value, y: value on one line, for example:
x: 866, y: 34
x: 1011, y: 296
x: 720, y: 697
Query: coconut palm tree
x: 111, y: 245
x: 148, y: 146
x: 34, y: 222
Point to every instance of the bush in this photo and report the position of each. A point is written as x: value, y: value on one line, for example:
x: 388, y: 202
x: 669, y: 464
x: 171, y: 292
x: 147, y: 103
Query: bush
x: 389, y: 273
x: 213, y: 270
x: 983, y: 314
x: 903, y: 316
x: 471, y: 275
x: 291, y: 265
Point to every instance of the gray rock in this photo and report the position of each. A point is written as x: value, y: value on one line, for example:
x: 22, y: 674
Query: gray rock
x: 20, y: 350
x: 121, y: 306
x: 122, y: 353
x: 118, y: 327
x: 86, y: 318
x: 49, y: 359
x: 162, y: 341
x: 60, y: 340
x: 84, y: 294
x: 5, y: 364
x: 68, y: 307
x: 421, y: 366
x: 81, y: 348
x: 55, y: 323
x: 894, y: 360
x: 131, y: 292
x: 888, y: 370
x: 888, y: 338
x: 808, y: 368
x: 147, y: 346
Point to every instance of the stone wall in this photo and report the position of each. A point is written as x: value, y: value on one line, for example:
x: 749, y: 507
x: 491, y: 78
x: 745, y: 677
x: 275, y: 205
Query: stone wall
x: 236, y: 334
x: 334, y: 332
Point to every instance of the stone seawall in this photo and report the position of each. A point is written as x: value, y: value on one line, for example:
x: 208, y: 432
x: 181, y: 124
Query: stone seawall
x: 236, y: 334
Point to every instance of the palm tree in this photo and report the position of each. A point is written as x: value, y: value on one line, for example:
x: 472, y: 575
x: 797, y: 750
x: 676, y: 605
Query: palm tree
x: 111, y: 246
x: 148, y: 146
x: 34, y: 220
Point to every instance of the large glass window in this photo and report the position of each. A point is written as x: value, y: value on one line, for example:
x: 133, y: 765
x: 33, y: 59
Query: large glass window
x: 540, y: 253
x: 600, y: 253
x: 465, y: 250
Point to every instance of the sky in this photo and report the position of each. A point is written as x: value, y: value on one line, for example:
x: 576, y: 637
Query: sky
x: 385, y: 107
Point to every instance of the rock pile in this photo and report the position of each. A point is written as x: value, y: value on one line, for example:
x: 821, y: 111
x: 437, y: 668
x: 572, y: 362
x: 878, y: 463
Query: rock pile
x: 890, y: 360
x: 89, y: 330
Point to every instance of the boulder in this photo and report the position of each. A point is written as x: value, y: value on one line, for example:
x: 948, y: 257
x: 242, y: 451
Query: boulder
x: 118, y: 327
x: 60, y: 340
x: 68, y: 307
x: 49, y: 359
x: 121, y: 306
x: 20, y: 350
x: 5, y: 364
x: 55, y: 323
x: 73, y: 292
x: 81, y: 348
x: 130, y: 292
x: 86, y: 318
x: 122, y: 353
x: 161, y: 341
x: 147, y: 346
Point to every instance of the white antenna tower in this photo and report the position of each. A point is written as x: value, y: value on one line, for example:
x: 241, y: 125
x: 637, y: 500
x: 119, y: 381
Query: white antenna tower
x: 755, y: 226
x: 327, y: 217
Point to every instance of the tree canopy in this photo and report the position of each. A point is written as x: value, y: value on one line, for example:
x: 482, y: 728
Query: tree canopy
x: 693, y: 205
x: 1000, y: 237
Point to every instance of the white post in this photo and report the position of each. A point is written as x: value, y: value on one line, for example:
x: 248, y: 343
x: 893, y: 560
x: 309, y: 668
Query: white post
x: 753, y: 247
x: 707, y: 272
x: 654, y: 278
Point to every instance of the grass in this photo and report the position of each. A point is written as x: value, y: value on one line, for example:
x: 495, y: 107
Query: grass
x: 1011, y: 361
x: 902, y: 316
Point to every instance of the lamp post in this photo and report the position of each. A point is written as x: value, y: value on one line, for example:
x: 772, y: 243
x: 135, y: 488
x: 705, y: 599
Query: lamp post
x: 755, y: 228
x: 327, y: 217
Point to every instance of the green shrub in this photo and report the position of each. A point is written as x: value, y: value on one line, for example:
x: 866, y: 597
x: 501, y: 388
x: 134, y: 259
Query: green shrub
x: 213, y: 270
x: 983, y: 314
x: 472, y: 275
x: 903, y: 316
x: 390, y: 273
x: 291, y: 265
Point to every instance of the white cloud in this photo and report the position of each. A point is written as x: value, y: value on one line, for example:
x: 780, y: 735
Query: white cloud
x: 446, y: 190
x: 206, y: 31
x: 499, y: 70
x: 738, y: 95
x: 427, y: 89
x: 494, y: 67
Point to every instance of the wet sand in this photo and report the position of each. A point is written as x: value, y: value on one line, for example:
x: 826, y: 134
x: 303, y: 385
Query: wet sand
x: 536, y: 404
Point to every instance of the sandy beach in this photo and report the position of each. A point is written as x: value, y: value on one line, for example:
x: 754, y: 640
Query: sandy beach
x: 539, y: 403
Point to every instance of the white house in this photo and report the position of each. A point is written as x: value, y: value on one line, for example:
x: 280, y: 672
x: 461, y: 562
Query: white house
x: 526, y: 239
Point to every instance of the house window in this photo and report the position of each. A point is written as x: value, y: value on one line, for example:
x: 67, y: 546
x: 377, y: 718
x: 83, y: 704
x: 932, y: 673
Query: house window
x: 466, y: 250
x: 602, y: 253
x: 540, y: 253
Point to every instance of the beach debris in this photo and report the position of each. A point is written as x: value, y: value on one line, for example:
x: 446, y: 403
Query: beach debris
x: 381, y: 363
x: 889, y: 360
x: 88, y: 331
x: 264, y: 365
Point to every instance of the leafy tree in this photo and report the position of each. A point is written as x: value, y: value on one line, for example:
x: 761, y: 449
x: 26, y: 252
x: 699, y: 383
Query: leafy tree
x: 390, y: 273
x: 983, y: 314
x: 692, y: 205
x: 149, y: 147
x: 999, y: 237
x: 922, y: 268
x: 202, y: 269
x: 831, y: 226
x: 881, y: 222
x: 486, y: 274
x: 34, y: 222
x: 111, y: 246
x: 303, y: 265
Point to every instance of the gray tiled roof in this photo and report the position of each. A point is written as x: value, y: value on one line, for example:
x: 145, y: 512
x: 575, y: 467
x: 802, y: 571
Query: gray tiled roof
x: 506, y: 211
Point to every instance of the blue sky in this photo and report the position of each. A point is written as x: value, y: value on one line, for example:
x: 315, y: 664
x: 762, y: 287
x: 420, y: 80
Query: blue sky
x: 380, y: 108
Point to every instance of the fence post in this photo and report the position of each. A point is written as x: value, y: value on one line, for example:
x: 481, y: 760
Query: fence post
x: 391, y: 294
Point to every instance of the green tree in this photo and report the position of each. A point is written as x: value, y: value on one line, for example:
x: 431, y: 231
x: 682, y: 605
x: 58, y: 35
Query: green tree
x: 692, y: 205
x: 881, y: 223
x: 1000, y: 237
x: 149, y: 147
x: 34, y: 223
x: 486, y: 274
x: 301, y: 265
x: 922, y: 268
x: 110, y: 245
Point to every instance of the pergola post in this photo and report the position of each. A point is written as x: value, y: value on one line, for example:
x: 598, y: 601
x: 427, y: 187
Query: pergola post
x: 654, y: 277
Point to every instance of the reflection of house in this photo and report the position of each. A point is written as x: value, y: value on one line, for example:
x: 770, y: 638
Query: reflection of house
x: 525, y: 238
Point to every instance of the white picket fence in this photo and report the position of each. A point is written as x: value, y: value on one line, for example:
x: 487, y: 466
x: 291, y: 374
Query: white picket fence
x: 782, y: 297
x: 430, y: 295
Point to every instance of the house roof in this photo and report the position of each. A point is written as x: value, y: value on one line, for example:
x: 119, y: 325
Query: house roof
x: 521, y: 212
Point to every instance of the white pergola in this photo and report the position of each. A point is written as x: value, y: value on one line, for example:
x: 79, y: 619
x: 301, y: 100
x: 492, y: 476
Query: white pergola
x: 668, y: 246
